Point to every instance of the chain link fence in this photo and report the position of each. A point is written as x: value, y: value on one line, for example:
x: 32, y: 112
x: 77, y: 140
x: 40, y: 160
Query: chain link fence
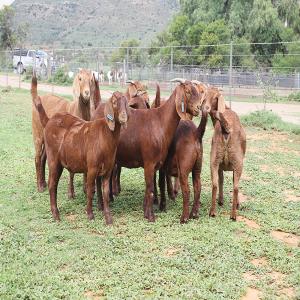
x: 160, y: 64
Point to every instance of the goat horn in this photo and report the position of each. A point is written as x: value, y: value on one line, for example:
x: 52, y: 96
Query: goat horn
x: 130, y: 81
x: 181, y: 80
x: 196, y: 81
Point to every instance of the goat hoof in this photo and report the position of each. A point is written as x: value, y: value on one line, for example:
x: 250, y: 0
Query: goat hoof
x: 162, y: 208
x: 194, y: 215
x: 221, y: 203
x: 233, y: 218
x: 212, y: 214
x: 91, y: 216
x: 172, y: 197
x: 56, y: 216
x: 151, y: 218
x: 183, y: 220
x: 41, y: 188
x: 108, y: 220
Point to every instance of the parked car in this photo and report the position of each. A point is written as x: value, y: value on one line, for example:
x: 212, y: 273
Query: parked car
x: 24, y: 58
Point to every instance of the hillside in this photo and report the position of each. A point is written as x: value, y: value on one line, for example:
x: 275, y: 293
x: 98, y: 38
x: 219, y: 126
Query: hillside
x: 93, y: 22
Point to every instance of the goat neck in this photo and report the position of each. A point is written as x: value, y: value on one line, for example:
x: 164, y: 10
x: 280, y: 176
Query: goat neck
x: 169, y: 117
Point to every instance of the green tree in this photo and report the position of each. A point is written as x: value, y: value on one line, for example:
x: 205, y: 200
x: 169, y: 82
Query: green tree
x: 134, y: 54
x: 265, y: 26
x: 10, y: 36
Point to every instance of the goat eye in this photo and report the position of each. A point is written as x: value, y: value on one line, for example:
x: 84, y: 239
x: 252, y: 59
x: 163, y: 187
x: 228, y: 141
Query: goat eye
x: 79, y: 78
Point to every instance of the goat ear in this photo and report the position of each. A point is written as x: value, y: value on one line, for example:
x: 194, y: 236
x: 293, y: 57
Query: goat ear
x: 221, y: 104
x: 76, y: 88
x: 109, y: 114
x: 180, y: 103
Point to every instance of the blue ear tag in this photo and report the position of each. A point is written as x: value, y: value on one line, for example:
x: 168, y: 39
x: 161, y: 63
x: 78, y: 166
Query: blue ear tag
x: 182, y: 105
x: 109, y: 117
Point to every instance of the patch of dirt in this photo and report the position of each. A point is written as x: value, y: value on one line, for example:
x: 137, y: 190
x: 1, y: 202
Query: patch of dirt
x: 243, y: 198
x: 288, y: 292
x: 290, y: 196
x: 246, y: 177
x: 71, y: 217
x: 289, y: 239
x: 248, y: 222
x: 94, y: 295
x: 259, y: 262
x: 296, y: 174
x: 98, y: 233
x: 277, y: 277
x: 250, y: 276
x: 266, y: 168
x: 172, y: 252
x: 252, y: 294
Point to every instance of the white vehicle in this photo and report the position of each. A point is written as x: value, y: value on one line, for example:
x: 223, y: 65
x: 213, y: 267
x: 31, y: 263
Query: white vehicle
x: 23, y: 59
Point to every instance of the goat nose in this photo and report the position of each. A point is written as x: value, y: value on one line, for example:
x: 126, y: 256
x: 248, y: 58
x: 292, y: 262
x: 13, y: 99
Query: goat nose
x: 87, y: 93
x: 207, y: 107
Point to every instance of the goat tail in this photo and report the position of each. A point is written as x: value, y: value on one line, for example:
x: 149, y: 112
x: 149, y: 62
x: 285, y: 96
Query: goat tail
x: 40, y: 108
x: 202, y: 126
x: 34, y: 93
x: 157, y: 96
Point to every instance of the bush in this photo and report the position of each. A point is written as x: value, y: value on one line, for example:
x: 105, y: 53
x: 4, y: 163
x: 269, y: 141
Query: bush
x: 61, y: 77
x: 269, y: 121
x: 294, y: 97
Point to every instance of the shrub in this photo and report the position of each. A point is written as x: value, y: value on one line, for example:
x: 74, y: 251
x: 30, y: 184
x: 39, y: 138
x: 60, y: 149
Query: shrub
x: 294, y: 97
x: 269, y: 121
x: 61, y: 77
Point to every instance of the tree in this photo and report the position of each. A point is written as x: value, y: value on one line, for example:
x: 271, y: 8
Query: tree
x: 9, y: 36
x: 134, y: 54
x: 265, y: 26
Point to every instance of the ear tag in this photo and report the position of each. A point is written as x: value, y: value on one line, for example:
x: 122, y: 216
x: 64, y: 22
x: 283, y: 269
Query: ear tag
x: 109, y: 117
x: 182, y: 105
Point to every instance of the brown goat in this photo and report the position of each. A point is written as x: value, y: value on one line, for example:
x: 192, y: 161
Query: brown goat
x: 134, y: 89
x: 185, y: 156
x: 83, y: 147
x: 193, y: 148
x: 146, y: 140
x: 83, y: 106
x: 228, y: 148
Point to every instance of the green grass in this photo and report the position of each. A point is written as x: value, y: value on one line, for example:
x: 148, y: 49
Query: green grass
x: 268, y: 120
x: 204, y: 259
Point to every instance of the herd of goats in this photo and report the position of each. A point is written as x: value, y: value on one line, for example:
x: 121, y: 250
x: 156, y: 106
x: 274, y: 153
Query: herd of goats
x: 97, y: 138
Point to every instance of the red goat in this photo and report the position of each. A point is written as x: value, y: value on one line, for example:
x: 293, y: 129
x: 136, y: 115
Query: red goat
x: 228, y: 148
x: 146, y: 140
x: 83, y: 147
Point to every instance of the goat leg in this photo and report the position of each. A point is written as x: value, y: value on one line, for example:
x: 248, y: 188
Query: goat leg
x: 186, y: 197
x: 176, y: 186
x: 162, y: 187
x: 106, y: 191
x: 99, y: 193
x: 55, y: 171
x: 197, y: 191
x: 71, y: 193
x: 171, y: 193
x: 148, y: 200
x: 155, y: 200
x: 43, y: 167
x: 214, y: 179
x: 91, y: 177
x: 221, y: 182
x: 236, y: 179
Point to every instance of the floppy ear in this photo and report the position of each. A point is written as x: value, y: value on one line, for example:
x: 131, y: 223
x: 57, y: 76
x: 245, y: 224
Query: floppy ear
x: 180, y: 102
x: 221, y: 104
x: 109, y: 114
x: 76, y: 88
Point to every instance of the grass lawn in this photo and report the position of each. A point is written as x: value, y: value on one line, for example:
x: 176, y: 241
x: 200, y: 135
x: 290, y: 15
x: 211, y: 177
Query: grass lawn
x: 208, y: 258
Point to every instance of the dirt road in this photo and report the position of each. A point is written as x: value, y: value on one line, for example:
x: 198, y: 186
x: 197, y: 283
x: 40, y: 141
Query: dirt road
x: 288, y: 112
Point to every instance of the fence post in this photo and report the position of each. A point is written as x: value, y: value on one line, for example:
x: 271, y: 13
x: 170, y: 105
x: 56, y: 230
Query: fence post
x: 171, y: 67
x: 127, y: 61
x: 20, y: 67
x: 230, y: 75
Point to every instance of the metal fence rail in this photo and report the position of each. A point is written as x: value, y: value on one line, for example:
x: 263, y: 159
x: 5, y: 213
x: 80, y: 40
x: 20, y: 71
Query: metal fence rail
x: 140, y: 63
